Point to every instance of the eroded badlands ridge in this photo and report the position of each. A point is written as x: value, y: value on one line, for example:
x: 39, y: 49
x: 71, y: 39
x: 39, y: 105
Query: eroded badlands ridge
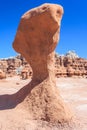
x: 64, y: 66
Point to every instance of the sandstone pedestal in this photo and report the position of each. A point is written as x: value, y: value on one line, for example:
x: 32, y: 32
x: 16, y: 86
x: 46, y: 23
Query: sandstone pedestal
x: 36, y: 39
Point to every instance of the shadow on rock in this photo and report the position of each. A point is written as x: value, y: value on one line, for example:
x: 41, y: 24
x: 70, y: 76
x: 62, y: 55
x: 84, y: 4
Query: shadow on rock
x: 9, y: 101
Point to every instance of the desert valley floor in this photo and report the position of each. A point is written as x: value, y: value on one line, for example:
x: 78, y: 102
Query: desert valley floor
x: 73, y: 91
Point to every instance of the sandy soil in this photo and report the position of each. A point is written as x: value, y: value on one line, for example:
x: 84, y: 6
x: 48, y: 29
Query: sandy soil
x: 73, y: 91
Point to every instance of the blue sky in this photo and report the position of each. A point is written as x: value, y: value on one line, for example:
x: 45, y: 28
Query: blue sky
x: 73, y: 35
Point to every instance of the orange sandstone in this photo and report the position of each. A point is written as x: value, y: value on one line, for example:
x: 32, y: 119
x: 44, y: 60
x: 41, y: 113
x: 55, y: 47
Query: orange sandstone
x: 2, y: 74
x: 36, y: 39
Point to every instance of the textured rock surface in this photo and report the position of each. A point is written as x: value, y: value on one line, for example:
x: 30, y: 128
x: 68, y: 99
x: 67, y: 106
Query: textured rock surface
x: 68, y: 67
x: 2, y: 75
x: 36, y: 39
x: 17, y: 65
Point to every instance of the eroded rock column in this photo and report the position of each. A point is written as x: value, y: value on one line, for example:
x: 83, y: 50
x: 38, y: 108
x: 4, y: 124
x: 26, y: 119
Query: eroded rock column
x: 36, y: 39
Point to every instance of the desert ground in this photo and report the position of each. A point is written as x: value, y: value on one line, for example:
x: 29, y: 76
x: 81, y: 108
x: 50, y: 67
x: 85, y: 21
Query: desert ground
x: 73, y: 91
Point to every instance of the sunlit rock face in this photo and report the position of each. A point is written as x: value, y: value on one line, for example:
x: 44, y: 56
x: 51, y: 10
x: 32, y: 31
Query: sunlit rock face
x: 2, y: 74
x: 36, y: 39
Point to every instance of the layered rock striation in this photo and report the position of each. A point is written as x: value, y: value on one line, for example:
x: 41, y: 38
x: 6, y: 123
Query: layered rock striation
x: 68, y: 67
x: 15, y: 66
x: 64, y: 67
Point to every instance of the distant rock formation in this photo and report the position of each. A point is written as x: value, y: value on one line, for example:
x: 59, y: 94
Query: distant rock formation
x: 65, y: 66
x: 70, y: 66
x: 71, y: 54
x: 2, y: 75
x: 15, y: 66
x: 36, y: 39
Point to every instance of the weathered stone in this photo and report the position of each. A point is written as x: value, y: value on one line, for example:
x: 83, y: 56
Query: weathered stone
x: 78, y: 65
x: 36, y: 39
x: 70, y: 66
x: 26, y: 72
x: 2, y: 75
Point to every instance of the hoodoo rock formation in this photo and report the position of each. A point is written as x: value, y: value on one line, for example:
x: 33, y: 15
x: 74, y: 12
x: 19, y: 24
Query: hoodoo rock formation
x: 65, y: 67
x: 36, y: 39
x: 68, y: 67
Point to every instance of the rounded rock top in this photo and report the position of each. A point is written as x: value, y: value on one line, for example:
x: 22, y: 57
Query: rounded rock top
x: 53, y: 8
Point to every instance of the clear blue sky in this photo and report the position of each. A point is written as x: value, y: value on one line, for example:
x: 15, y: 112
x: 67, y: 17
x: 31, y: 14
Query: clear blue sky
x: 73, y: 28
